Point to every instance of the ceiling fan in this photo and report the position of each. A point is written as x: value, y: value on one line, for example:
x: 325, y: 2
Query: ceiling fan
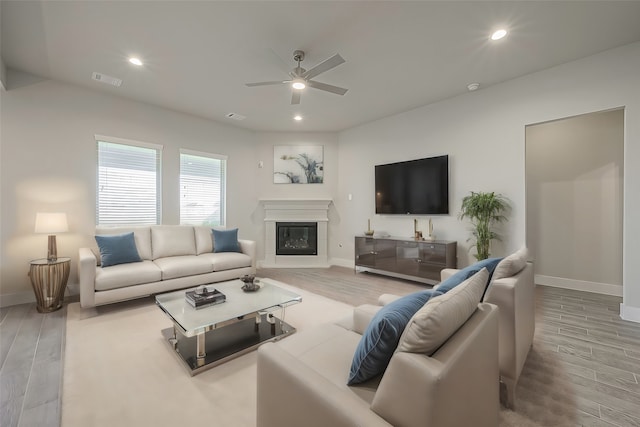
x: 301, y: 78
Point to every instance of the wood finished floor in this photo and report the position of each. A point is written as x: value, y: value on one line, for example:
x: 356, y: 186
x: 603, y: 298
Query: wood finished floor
x: 599, y: 353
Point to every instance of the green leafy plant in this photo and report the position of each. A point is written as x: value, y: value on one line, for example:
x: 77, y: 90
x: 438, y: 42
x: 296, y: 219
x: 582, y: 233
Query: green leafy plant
x: 484, y: 210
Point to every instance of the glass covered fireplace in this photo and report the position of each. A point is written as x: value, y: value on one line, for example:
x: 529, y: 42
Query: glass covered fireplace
x: 296, y: 238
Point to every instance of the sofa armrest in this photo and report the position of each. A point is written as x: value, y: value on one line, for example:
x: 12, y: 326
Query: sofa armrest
x: 87, y: 264
x: 248, y: 247
x: 447, y: 272
x: 290, y: 393
x: 463, y: 371
x: 515, y: 297
x: 385, y: 299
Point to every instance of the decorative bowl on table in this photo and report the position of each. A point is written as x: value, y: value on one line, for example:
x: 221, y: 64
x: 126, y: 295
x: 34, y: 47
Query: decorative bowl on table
x: 249, y: 284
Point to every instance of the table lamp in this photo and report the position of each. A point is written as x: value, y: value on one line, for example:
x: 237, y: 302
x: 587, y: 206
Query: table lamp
x: 51, y: 222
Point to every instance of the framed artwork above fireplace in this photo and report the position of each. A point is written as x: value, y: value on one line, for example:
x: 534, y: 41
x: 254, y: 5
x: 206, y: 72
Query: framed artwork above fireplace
x: 298, y: 164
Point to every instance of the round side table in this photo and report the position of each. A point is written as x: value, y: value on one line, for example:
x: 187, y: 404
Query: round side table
x: 49, y: 281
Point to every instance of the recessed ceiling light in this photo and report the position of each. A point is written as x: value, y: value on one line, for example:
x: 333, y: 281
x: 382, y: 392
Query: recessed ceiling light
x: 498, y: 34
x: 297, y: 118
x: 299, y: 84
x: 473, y: 86
x: 135, y: 61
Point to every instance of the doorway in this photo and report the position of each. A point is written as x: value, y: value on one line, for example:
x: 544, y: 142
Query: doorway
x: 574, y: 201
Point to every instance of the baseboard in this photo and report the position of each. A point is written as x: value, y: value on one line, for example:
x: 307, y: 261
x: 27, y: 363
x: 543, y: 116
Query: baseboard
x: 627, y: 312
x: 265, y: 265
x: 17, y: 299
x: 28, y: 297
x: 579, y: 285
x: 340, y: 262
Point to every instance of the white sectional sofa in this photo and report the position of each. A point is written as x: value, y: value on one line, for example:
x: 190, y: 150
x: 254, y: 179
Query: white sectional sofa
x: 173, y: 257
x: 455, y: 386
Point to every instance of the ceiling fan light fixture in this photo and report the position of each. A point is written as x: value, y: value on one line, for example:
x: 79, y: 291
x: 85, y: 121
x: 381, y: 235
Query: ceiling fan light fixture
x: 301, y: 78
x: 299, y: 84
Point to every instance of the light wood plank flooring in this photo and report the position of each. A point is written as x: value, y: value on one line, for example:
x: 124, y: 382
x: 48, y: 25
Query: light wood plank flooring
x: 31, y: 360
x: 599, y: 353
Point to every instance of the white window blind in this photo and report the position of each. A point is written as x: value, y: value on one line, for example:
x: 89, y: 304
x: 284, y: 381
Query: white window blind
x: 202, y: 188
x: 128, y: 181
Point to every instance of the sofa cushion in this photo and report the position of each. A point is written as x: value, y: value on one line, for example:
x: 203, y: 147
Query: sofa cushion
x: 117, y: 249
x: 362, y: 317
x: 432, y: 325
x: 123, y: 275
x: 380, y: 339
x: 182, y: 266
x: 226, y: 240
x: 462, y: 275
x: 172, y: 240
x: 142, y: 236
x: 204, y: 239
x: 511, y: 265
x: 227, y: 260
x: 328, y: 349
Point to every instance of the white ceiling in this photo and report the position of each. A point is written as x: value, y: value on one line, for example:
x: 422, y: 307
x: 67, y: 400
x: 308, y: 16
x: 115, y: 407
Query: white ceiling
x: 399, y: 55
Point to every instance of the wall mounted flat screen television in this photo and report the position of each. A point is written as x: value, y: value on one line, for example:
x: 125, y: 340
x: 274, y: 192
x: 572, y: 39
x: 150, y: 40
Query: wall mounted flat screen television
x: 414, y: 187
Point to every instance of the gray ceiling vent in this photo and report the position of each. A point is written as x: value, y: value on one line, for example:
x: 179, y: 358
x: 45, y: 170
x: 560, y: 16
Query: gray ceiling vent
x: 103, y: 78
x: 235, y: 116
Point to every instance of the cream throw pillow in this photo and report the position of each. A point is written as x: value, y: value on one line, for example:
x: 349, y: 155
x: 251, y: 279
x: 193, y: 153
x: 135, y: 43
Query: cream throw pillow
x: 511, y: 265
x: 442, y: 316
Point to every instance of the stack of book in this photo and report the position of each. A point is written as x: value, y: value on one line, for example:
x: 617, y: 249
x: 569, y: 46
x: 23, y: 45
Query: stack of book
x: 204, y: 297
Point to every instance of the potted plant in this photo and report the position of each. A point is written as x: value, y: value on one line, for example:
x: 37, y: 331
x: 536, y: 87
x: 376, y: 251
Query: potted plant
x: 484, y: 210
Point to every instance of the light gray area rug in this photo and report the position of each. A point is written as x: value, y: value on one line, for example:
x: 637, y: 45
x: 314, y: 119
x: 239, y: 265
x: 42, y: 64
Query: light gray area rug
x: 120, y: 371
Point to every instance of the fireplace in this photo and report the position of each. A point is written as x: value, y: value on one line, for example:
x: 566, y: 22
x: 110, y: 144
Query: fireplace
x: 296, y: 238
x: 303, y: 243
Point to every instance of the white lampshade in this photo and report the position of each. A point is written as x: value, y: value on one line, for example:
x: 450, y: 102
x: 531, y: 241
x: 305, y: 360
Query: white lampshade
x: 51, y: 222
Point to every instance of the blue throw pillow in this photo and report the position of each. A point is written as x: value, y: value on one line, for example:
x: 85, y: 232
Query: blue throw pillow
x: 117, y: 249
x: 226, y: 240
x: 462, y: 275
x: 381, y: 338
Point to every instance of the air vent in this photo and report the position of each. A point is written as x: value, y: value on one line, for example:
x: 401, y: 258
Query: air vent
x: 235, y: 116
x: 103, y: 78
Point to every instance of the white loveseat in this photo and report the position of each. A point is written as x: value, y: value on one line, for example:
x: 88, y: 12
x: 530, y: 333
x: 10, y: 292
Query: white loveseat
x: 173, y: 257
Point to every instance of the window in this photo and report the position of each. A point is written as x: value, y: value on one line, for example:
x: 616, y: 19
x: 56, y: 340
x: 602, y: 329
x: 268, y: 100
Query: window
x: 202, y: 188
x: 128, y: 182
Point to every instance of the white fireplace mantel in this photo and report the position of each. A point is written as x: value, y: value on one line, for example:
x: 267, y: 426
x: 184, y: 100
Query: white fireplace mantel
x: 295, y: 210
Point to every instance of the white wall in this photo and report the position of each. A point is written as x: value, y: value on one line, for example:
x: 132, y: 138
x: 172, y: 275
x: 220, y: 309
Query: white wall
x: 3, y: 75
x: 484, y: 133
x: 48, y: 164
x: 574, y: 172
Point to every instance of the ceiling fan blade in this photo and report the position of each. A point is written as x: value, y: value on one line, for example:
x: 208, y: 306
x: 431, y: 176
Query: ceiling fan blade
x: 329, y: 88
x: 326, y: 65
x: 279, y: 82
x: 295, y: 98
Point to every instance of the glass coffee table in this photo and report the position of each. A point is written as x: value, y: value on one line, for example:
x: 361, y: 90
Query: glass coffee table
x: 208, y: 336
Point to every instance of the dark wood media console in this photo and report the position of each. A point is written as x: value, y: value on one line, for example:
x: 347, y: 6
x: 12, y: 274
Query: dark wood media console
x: 418, y: 260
